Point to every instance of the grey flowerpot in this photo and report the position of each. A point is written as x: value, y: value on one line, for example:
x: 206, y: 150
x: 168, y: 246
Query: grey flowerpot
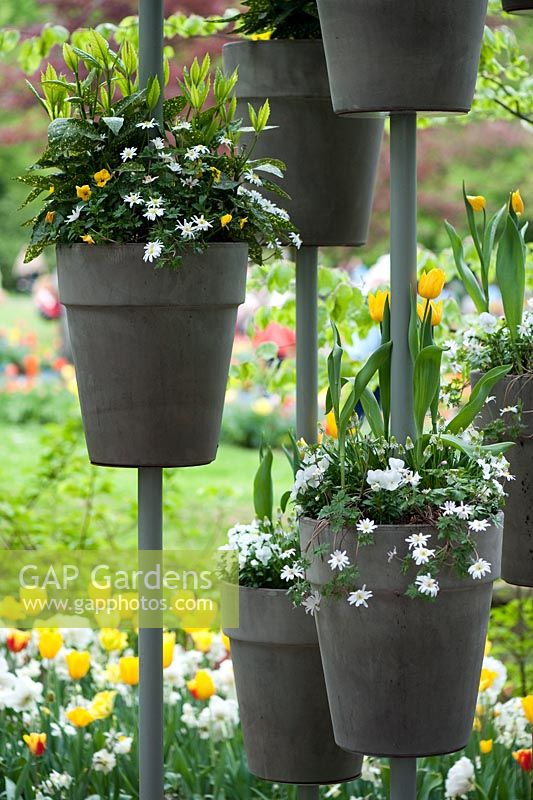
x: 402, y: 675
x: 282, y: 696
x: 417, y: 55
x: 331, y: 163
x: 151, y: 349
x: 517, y: 557
x: 518, y: 6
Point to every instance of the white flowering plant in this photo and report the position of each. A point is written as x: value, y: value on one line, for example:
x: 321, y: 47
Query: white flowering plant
x: 112, y: 173
x: 448, y: 480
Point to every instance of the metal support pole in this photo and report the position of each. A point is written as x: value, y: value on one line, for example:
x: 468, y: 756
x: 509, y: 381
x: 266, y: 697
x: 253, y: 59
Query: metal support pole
x: 151, y: 758
x: 151, y: 14
x: 308, y: 792
x: 403, y: 284
x: 307, y: 343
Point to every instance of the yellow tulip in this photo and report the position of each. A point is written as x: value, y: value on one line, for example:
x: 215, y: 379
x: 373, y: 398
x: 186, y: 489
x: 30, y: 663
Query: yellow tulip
x: 102, y: 177
x: 102, y: 705
x: 112, y: 672
x: 331, y: 425
x: 226, y: 642
x: 113, y: 639
x: 485, y: 746
x: 87, y: 238
x: 517, y: 203
x: 487, y: 678
x: 527, y: 705
x: 129, y: 670
x: 488, y: 647
x: 203, y: 639
x: 478, y: 202
x: 477, y: 724
x: 225, y: 220
x: 431, y: 283
x: 83, y: 192
x: 17, y: 641
x: 376, y: 304
x: 436, y: 311
x: 50, y: 643
x: 202, y: 686
x: 36, y: 743
x: 78, y: 663
x: 80, y: 717
x: 49, y: 218
x: 169, y: 642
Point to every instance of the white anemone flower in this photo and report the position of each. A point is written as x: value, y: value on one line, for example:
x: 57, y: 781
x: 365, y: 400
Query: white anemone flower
x: 359, y: 597
x: 418, y: 540
x: 479, y: 569
x: 128, y: 153
x: 479, y: 525
x: 426, y: 584
x: 153, y: 250
x: 75, y: 213
x: 147, y: 124
x: 291, y: 573
x: 421, y: 555
x: 312, y: 603
x: 133, y: 199
x: 366, y: 525
x: 339, y: 560
x: 187, y: 229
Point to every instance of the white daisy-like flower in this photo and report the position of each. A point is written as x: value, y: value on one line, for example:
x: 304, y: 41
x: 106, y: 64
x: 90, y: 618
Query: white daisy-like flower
x: 74, y: 214
x: 288, y: 553
x: 153, y: 212
x: 128, y: 153
x: 312, y: 603
x: 150, y: 178
x: 190, y: 182
x: 464, y: 511
x: 448, y: 508
x: 194, y: 153
x: 339, y: 560
x: 182, y: 125
x: 226, y: 141
x: 158, y: 143
x: 251, y: 177
x: 133, y: 199
x: 290, y: 573
x: 187, y: 229
x: 490, y: 399
x: 296, y: 239
x: 153, y: 250
x: 175, y: 167
x: 509, y: 410
x: 479, y: 525
x: 202, y: 224
x: 359, y: 597
x: 487, y: 322
x: 149, y: 123
x: 366, y: 525
x: 422, y: 555
x: 104, y: 761
x: 479, y: 569
x: 426, y: 584
x: 418, y: 540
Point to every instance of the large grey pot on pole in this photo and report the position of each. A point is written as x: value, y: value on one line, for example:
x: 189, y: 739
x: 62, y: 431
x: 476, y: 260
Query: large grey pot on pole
x: 402, y: 675
x: 152, y: 349
x: 414, y: 55
x: 283, y: 704
x: 517, y: 557
x: 331, y: 163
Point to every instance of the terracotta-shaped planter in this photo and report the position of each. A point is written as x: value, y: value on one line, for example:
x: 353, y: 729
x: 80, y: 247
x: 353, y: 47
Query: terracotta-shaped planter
x: 387, y: 56
x: 151, y: 349
x: 402, y: 675
x: 518, y: 6
x: 517, y: 557
x: 283, y: 705
x: 331, y: 163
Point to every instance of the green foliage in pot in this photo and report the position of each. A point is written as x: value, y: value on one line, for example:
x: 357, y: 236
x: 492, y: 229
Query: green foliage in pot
x: 280, y: 19
x: 111, y: 174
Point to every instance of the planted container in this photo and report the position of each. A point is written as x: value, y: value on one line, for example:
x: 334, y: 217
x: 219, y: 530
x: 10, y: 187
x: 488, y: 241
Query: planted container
x: 284, y: 711
x: 331, y: 163
x: 518, y: 6
x: 152, y: 349
x: 516, y: 391
x: 402, y: 675
x: 386, y: 56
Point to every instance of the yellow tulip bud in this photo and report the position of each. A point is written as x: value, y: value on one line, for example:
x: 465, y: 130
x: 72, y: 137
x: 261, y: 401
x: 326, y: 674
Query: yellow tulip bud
x: 169, y: 642
x: 102, y: 705
x: 36, y: 743
x: 436, y: 311
x: 431, y: 283
x: 129, y: 670
x: 78, y: 663
x: 527, y: 705
x: 517, y: 203
x: 376, y: 304
x: 478, y: 202
x: 80, y: 717
x: 113, y: 639
x: 202, y: 686
x: 50, y: 643
x: 477, y: 724
x: 485, y: 746
x: 488, y: 647
x: 203, y: 639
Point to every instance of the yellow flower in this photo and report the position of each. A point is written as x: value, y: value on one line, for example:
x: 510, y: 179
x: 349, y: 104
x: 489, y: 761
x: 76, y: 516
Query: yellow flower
x: 431, y: 283
x: 262, y: 407
x: 485, y: 746
x: 113, y: 639
x: 202, y: 686
x: 226, y: 642
x: 112, y: 672
x: 259, y: 37
x: 102, y: 177
x: 52, y: 189
x: 436, y: 311
x: 517, y: 203
x: 102, y: 705
x: 17, y: 641
x: 49, y: 218
x: 87, y: 238
x: 83, y: 192
x: 216, y: 174
x: 80, y: 717
x: 527, y: 705
x: 203, y: 639
x: 36, y: 743
x: 487, y: 678
x: 50, y: 643
x: 78, y: 663
x: 129, y: 670
x: 242, y: 222
x: 477, y: 724
x: 331, y: 425
x: 225, y: 220
x: 478, y: 202
x: 376, y: 304
x: 488, y: 647
x: 169, y: 642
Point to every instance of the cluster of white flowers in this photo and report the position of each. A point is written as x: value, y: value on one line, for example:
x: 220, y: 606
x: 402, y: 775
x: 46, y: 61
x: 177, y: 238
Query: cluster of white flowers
x: 188, y: 228
x: 498, y: 678
x: 253, y: 545
x: 494, y: 467
x: 392, y: 478
x: 55, y: 786
x: 461, y: 779
x: 18, y: 691
x: 511, y: 724
x: 216, y: 721
x: 263, y: 202
x: 311, y: 473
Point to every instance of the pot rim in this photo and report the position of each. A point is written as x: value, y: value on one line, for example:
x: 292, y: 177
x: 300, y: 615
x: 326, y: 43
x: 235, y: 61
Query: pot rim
x: 137, y: 245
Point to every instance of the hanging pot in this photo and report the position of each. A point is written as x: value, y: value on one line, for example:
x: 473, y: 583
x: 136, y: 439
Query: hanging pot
x: 517, y: 556
x: 518, y: 6
x: 331, y: 163
x: 386, y: 56
x: 402, y: 675
x: 151, y: 349
x: 283, y: 705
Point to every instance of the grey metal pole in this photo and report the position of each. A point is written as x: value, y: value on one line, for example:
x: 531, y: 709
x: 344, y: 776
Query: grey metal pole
x: 308, y: 792
x: 403, y: 283
x: 403, y: 267
x: 307, y: 343
x: 151, y: 753
x: 151, y: 14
